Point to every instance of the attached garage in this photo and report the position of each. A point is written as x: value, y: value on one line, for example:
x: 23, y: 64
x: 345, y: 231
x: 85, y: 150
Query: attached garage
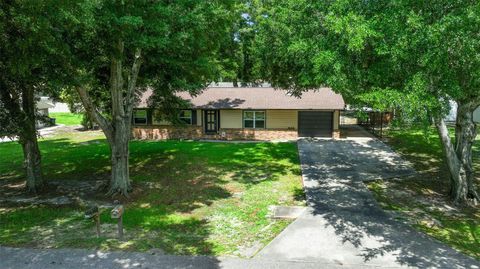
x: 315, y: 124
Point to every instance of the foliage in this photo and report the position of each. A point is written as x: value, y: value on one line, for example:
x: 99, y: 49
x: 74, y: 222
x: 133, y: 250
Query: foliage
x: 239, y: 59
x: 374, y: 53
x: 28, y: 59
x: 179, y: 43
x: 409, y: 56
x: 120, y: 49
x: 29, y: 68
x: 8, y: 127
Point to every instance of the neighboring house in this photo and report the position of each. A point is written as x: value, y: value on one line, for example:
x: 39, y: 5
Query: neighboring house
x: 231, y: 113
x: 59, y: 107
x: 43, y: 105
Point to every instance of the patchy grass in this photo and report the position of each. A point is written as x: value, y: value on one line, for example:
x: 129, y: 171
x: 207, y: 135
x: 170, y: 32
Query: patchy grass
x: 425, y: 150
x: 423, y: 200
x: 190, y: 198
x: 66, y: 118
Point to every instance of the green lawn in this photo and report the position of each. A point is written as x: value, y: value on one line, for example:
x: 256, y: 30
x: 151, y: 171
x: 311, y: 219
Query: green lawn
x: 65, y: 118
x: 203, y: 198
x: 423, y: 199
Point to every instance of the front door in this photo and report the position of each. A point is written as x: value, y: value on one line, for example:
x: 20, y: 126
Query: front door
x: 211, y: 121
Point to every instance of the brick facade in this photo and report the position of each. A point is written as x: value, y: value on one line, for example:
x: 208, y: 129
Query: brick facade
x: 258, y: 134
x: 167, y: 132
x: 164, y: 132
x: 336, y: 134
x: 196, y: 132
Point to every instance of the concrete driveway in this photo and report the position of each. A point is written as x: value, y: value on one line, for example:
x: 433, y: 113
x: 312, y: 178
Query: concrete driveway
x: 343, y: 224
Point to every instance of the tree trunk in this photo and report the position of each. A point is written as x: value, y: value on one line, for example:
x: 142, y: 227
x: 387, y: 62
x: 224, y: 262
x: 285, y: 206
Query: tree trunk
x: 459, y: 157
x: 118, y: 130
x: 32, y: 164
x: 28, y: 140
x: 465, y: 134
x: 120, y: 180
x: 458, y: 177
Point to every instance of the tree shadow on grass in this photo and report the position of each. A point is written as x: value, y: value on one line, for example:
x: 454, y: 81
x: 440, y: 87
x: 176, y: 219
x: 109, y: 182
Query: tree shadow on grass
x: 189, y: 175
x: 427, y: 156
x: 175, y: 179
x: 145, y: 229
x: 334, y: 173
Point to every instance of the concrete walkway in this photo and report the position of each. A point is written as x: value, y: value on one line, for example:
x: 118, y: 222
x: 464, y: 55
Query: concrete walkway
x: 42, y: 132
x: 344, y: 225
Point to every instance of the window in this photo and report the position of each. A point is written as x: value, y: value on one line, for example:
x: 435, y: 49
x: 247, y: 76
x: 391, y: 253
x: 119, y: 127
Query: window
x: 140, y: 117
x: 185, y: 116
x: 254, y: 119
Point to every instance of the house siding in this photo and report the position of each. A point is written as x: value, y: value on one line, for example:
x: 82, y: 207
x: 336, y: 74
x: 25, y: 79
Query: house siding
x: 231, y: 119
x: 282, y: 119
x: 199, y: 117
x: 336, y: 120
x: 336, y: 124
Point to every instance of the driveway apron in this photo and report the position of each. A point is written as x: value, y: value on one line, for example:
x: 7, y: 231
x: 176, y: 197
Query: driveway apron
x: 343, y: 224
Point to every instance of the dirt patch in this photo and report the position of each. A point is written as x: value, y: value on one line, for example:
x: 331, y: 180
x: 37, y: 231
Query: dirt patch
x: 425, y: 195
x: 64, y: 193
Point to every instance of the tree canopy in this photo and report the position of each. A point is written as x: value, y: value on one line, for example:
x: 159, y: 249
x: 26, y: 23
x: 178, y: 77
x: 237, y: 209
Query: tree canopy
x: 28, y: 65
x: 405, y: 54
x: 118, y: 49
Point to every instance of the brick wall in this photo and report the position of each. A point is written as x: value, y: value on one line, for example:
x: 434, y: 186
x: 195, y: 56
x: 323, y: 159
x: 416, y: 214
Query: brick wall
x: 196, y: 132
x: 167, y: 132
x: 336, y: 134
x: 251, y: 134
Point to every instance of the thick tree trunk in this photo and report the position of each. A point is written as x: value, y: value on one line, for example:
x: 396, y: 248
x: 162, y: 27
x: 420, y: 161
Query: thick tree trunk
x: 28, y: 140
x: 118, y: 130
x: 459, y: 157
x: 458, y: 177
x: 465, y: 134
x: 120, y: 180
x: 32, y: 164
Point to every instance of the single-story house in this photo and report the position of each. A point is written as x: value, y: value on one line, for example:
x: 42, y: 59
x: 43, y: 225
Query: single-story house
x: 237, y: 113
x: 43, y: 105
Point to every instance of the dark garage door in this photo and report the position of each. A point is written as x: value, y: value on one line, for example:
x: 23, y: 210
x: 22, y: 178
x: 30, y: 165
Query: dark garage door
x: 315, y: 123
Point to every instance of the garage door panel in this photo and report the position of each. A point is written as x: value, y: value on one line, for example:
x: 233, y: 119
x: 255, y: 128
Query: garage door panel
x: 315, y: 123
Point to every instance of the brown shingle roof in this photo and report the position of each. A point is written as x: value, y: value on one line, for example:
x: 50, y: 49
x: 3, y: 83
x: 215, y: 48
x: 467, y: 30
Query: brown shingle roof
x: 259, y: 98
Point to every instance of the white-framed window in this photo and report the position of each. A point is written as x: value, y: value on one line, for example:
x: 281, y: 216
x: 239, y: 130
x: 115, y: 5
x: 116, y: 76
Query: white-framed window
x: 254, y: 119
x: 185, y: 116
x: 140, y: 117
